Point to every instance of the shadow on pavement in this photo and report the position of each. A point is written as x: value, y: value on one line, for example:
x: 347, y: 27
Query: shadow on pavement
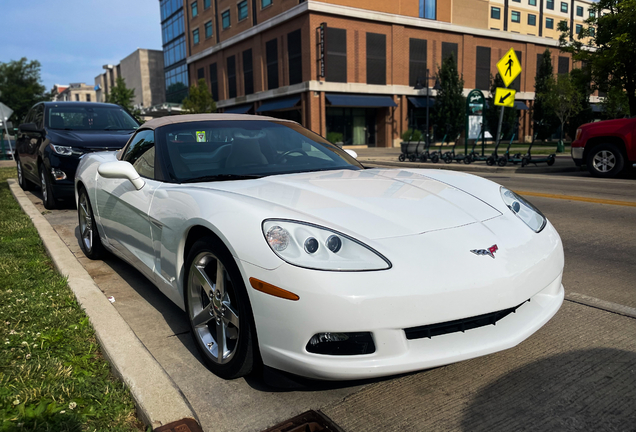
x: 583, y: 390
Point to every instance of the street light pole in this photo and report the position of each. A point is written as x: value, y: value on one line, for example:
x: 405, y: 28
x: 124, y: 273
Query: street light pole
x: 427, y: 104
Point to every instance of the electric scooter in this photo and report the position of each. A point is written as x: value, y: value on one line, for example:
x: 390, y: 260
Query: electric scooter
x: 427, y: 154
x: 450, y: 156
x: 528, y: 159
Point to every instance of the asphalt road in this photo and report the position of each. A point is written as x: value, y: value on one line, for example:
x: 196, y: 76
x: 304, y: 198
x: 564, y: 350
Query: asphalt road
x: 577, y: 373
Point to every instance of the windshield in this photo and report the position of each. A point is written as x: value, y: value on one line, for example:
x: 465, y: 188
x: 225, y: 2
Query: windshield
x: 90, y: 118
x: 239, y: 149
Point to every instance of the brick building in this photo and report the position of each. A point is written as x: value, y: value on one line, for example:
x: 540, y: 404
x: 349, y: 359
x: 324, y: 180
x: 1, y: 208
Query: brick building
x: 349, y: 67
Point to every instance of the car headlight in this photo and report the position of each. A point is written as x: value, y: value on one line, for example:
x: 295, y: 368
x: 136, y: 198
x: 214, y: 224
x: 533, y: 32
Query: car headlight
x: 524, y: 210
x: 579, y: 131
x: 64, y: 150
x: 314, y: 247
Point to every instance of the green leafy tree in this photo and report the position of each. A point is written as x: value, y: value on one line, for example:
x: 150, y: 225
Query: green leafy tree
x: 545, y: 121
x: 20, y: 86
x: 615, y: 104
x: 581, y: 79
x: 563, y: 99
x: 121, y: 95
x: 199, y: 100
x: 612, y: 60
x: 450, y: 104
x: 492, y: 113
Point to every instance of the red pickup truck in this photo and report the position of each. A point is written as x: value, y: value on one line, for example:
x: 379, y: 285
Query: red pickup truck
x: 606, y: 147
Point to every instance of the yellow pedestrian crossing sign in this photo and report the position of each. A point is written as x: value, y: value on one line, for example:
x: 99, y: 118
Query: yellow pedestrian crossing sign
x: 509, y: 67
x: 505, y: 97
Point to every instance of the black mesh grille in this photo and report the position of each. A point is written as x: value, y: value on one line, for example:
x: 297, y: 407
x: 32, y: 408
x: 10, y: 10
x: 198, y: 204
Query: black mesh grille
x: 294, y: 55
x: 336, y: 65
x: 376, y: 58
x: 564, y: 65
x: 482, y: 72
x: 214, y: 82
x: 417, y: 61
x: 516, y: 84
x: 461, y: 325
x: 231, y: 76
x: 448, y: 49
x: 271, y: 50
x: 248, y: 76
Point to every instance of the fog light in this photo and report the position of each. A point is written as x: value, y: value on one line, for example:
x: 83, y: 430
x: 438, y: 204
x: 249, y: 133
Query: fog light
x: 334, y: 243
x: 58, y: 174
x: 341, y: 343
x: 311, y: 245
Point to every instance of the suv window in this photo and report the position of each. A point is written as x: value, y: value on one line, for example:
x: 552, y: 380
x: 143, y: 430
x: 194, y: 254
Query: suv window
x: 141, y: 153
x: 38, y: 116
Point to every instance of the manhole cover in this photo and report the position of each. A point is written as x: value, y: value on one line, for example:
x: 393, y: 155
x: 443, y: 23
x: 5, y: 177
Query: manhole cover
x: 310, y: 421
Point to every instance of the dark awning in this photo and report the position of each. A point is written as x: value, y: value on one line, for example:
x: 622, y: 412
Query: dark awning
x: 240, y: 109
x: 520, y: 105
x: 279, y: 104
x: 420, y: 102
x: 347, y: 100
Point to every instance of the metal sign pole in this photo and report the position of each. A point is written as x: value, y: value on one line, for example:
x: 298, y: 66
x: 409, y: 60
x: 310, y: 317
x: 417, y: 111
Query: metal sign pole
x: 499, y: 127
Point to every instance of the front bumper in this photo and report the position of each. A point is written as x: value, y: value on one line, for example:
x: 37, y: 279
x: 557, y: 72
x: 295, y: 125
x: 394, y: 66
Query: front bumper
x: 577, y: 155
x: 430, y: 285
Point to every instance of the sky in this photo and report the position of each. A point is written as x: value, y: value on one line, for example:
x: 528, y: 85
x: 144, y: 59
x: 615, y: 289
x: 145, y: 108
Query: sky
x: 73, y: 39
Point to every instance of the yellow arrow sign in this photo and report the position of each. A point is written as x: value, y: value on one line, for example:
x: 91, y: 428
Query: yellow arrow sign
x: 505, y: 97
x: 509, y: 67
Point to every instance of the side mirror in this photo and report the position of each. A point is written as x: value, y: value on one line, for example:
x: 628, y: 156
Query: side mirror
x: 352, y: 153
x: 29, y: 127
x: 121, y: 170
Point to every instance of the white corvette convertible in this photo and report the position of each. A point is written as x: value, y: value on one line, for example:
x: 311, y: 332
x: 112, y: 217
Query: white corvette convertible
x: 283, y: 249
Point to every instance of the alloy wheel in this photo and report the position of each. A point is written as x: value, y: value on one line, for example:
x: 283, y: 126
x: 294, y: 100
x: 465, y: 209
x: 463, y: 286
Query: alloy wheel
x: 85, y: 222
x: 604, y: 161
x: 212, y: 307
x: 45, y: 191
x: 20, y: 179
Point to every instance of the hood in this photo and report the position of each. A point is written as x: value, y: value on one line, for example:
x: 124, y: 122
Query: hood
x: 112, y: 140
x: 374, y: 203
x: 615, y: 126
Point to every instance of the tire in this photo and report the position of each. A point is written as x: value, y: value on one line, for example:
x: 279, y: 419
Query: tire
x: 90, y: 242
x: 402, y: 157
x: 524, y: 161
x: 502, y: 161
x: 467, y: 160
x: 605, y: 160
x: 208, y: 301
x: 448, y: 158
x: 47, y: 191
x: 551, y: 160
x: 435, y: 158
x: 423, y: 158
x: 491, y: 161
x: 25, y: 184
x: 412, y: 158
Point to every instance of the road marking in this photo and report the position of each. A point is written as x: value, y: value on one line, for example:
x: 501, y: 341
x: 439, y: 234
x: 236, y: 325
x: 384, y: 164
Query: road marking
x: 578, y: 198
x: 601, y: 304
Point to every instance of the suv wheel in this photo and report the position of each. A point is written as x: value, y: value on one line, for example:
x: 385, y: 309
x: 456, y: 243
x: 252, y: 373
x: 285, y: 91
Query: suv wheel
x: 24, y: 183
x: 47, y: 191
x: 605, y: 160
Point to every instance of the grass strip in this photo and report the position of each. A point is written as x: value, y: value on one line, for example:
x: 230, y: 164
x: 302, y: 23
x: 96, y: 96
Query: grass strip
x: 53, y: 376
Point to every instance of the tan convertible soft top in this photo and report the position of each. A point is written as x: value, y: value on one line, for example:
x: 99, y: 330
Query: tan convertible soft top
x: 185, y: 118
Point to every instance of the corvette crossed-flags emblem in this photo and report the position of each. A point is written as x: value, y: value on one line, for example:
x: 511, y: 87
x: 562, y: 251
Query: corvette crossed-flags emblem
x: 490, y: 251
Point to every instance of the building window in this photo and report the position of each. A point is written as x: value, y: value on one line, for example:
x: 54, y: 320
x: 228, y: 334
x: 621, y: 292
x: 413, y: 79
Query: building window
x: 517, y: 1
x: 579, y: 11
x: 417, y: 61
x: 532, y: 19
x: 168, y: 7
x: 532, y: 2
x: 376, y: 59
x: 516, y: 84
x: 88, y: 97
x: 428, y: 9
x: 549, y: 4
x: 564, y: 65
x: 200, y: 74
x: 242, y: 10
x: 248, y: 73
x: 77, y: 97
x: 564, y: 7
x: 174, y: 52
x: 265, y: 3
x: 549, y: 23
x: 592, y: 13
x: 336, y: 56
x: 208, y: 29
x: 195, y: 36
x: 172, y: 28
x: 231, y: 76
x: 195, y: 9
x: 177, y: 84
x: 495, y: 13
x: 294, y: 56
x: 214, y: 82
x: 482, y: 68
x: 515, y: 17
x: 271, y: 57
x: 579, y: 27
x: 592, y: 31
x: 225, y: 19
x: 449, y: 49
x: 206, y: 4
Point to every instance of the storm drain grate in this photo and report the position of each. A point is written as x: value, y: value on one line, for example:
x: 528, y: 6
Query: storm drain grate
x: 310, y: 421
x: 184, y: 425
x: 461, y: 325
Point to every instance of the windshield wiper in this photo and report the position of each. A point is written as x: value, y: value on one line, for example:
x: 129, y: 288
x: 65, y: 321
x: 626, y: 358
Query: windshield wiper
x: 222, y: 177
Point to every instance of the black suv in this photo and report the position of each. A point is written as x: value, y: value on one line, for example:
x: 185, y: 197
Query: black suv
x: 55, y: 135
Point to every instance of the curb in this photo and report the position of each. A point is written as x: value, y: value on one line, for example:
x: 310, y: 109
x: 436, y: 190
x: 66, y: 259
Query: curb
x: 470, y: 167
x: 157, y: 398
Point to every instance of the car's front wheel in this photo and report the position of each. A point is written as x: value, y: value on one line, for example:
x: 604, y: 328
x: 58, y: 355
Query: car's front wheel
x: 90, y: 241
x: 218, y: 307
x: 47, y: 191
x: 605, y: 160
x: 24, y: 183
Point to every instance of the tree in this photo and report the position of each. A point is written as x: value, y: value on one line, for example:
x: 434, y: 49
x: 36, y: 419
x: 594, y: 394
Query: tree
x: 450, y: 104
x: 20, y: 86
x: 613, y: 43
x: 543, y: 117
x: 564, y: 99
x: 615, y: 104
x: 199, y: 100
x: 581, y: 79
x: 492, y: 113
x: 121, y: 95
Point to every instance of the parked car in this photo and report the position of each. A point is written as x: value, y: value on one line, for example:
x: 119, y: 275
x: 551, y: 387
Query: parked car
x: 606, y: 147
x: 282, y: 248
x: 55, y: 135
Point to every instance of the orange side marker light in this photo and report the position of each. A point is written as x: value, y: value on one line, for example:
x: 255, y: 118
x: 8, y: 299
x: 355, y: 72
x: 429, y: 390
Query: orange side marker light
x: 270, y: 289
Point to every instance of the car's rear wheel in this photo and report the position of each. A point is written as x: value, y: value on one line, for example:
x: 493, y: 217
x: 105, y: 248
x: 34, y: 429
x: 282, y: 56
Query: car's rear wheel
x: 48, y: 199
x: 22, y: 181
x: 605, y: 160
x: 218, y: 307
x: 90, y: 241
